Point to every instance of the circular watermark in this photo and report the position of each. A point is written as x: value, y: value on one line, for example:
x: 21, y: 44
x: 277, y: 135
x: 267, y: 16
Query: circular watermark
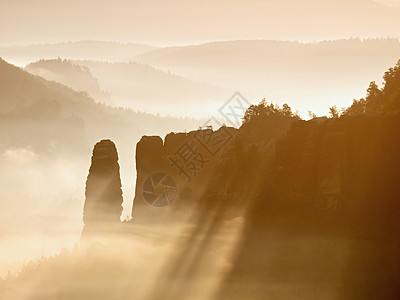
x: 159, y: 189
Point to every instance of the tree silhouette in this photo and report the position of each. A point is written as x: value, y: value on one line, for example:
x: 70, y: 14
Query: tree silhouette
x: 379, y: 100
x: 263, y: 110
x: 311, y: 115
x: 333, y: 110
x: 373, y: 99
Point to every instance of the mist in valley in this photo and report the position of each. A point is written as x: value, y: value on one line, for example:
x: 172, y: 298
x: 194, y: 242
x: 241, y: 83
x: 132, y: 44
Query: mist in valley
x: 47, y: 135
x: 190, y: 150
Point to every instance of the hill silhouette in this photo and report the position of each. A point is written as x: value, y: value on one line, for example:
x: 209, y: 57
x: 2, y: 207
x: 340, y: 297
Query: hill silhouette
x: 300, y: 74
x: 65, y: 72
x: 24, y: 94
x: 133, y: 85
x: 86, y: 49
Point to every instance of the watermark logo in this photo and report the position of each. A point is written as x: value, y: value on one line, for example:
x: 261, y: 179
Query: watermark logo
x: 192, y: 156
x: 159, y: 189
x: 188, y: 160
x: 213, y: 141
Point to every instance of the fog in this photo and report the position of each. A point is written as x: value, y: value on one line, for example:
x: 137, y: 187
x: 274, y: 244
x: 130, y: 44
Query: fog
x: 199, y: 150
x: 45, y: 158
x: 196, y: 80
x: 120, y: 268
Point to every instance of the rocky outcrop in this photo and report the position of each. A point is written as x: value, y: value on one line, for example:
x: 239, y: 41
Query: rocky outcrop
x: 334, y: 165
x: 318, y: 165
x: 171, y: 175
x: 331, y: 180
x: 205, y: 167
x: 102, y: 209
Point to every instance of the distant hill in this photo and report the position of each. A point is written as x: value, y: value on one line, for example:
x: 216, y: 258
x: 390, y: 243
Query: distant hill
x: 64, y: 71
x: 33, y: 99
x: 305, y: 75
x: 134, y: 85
x: 94, y: 50
x: 145, y: 88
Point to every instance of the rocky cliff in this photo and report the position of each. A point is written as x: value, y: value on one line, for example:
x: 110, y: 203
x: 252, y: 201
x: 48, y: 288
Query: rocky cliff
x: 298, y: 185
x: 202, y: 167
x: 172, y: 175
x: 330, y: 206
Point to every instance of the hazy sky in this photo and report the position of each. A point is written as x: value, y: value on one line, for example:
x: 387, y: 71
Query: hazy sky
x: 162, y: 22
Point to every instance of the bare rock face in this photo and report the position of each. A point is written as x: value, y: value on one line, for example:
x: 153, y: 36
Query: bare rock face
x: 103, y: 201
x: 172, y: 175
x: 151, y: 153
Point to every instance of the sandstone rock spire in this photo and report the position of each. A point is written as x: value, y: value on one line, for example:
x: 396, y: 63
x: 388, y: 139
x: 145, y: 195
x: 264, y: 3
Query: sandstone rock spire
x: 102, y: 209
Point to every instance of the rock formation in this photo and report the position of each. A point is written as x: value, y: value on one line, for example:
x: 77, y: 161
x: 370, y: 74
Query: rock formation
x: 308, y: 182
x: 322, y: 165
x: 177, y: 170
x: 102, y: 209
